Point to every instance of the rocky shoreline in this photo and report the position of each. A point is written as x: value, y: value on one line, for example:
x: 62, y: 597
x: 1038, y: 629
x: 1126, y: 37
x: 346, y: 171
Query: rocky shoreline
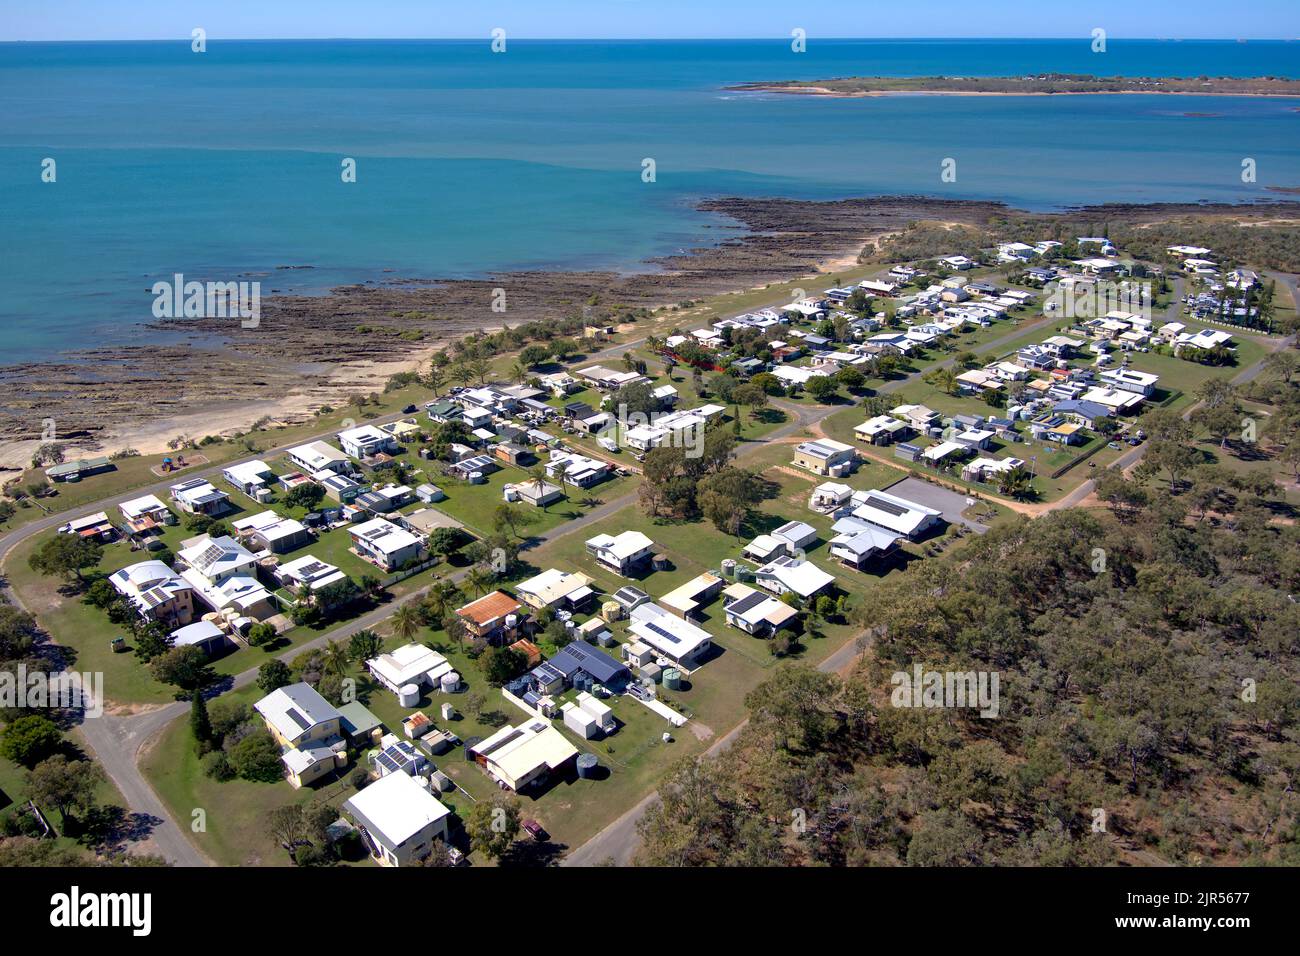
x: 314, y: 350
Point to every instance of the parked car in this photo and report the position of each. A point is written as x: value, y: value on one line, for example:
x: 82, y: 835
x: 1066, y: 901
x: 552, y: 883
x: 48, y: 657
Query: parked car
x: 535, y: 829
x: 1114, y: 446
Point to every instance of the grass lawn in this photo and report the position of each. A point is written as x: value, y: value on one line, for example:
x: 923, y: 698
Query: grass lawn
x: 13, y: 784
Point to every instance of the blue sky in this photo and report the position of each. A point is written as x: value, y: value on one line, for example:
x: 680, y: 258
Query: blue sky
x: 164, y: 19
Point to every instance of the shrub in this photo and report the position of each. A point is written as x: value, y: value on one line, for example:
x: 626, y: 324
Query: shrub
x: 217, y: 766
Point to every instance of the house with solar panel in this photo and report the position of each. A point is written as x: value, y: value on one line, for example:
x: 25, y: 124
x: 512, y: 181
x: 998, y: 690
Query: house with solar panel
x: 198, y: 496
x: 156, y: 592
x: 755, y: 612
x: 825, y: 456
x: 899, y: 515
x: 308, y: 729
x: 224, y: 574
x: 524, y: 756
x: 670, y: 636
x: 385, y: 544
x: 581, y: 666
x: 396, y: 755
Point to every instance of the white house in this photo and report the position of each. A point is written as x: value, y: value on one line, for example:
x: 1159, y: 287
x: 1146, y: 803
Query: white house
x: 319, y: 456
x: 386, y: 544
x: 223, y: 572
x: 1130, y: 380
x: 401, y: 822
x: 146, y: 510
x: 755, y: 612
x: 309, y: 571
x: 825, y: 456
x: 671, y: 636
x: 802, y: 578
x: 520, y: 756
x: 366, y: 441
x: 155, y: 591
x: 409, y: 664
x: 905, y: 518
x: 269, y: 531
x: 250, y: 477
x: 198, y: 496
x: 622, y: 552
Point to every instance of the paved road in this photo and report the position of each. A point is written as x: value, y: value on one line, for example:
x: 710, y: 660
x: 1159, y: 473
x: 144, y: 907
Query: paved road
x: 117, y: 741
x: 619, y: 840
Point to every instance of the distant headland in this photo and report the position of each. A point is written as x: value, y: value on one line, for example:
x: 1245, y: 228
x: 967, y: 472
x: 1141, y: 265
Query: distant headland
x: 1041, y: 84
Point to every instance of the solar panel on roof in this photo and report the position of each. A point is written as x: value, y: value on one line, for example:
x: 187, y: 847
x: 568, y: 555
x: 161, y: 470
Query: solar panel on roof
x: 296, y: 716
x: 886, y: 506
x: 211, y: 554
x: 747, y: 602
x: 662, y: 633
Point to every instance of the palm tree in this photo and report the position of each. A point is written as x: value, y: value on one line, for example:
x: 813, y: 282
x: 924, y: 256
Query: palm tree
x: 364, y: 644
x: 461, y: 374
x: 519, y: 373
x: 537, y: 478
x: 336, y: 658
x: 442, y: 596
x: 1016, y: 484
x: 478, y: 580
x: 406, y: 622
x: 478, y: 368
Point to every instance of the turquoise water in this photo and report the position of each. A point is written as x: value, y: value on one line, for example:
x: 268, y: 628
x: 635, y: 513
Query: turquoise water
x: 226, y: 164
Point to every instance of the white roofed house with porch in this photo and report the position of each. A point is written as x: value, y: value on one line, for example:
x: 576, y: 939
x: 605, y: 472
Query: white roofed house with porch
x: 366, y: 442
x: 574, y: 469
x: 858, y: 542
x: 409, y: 664
x: 623, y: 552
x: 670, y: 636
x: 223, y: 573
x: 569, y: 590
x: 755, y: 612
x: 198, y: 496
x: 249, y: 477
x: 319, y: 456
x: 794, y: 575
x: 385, y: 544
x: 400, y: 821
x: 898, y: 515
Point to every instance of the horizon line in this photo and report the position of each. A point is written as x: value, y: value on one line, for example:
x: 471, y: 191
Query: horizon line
x: 1082, y: 38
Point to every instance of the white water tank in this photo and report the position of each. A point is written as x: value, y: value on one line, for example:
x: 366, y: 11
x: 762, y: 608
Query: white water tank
x: 450, y: 684
x: 409, y: 695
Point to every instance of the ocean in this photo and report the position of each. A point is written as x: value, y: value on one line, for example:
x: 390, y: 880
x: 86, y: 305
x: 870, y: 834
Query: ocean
x: 226, y: 164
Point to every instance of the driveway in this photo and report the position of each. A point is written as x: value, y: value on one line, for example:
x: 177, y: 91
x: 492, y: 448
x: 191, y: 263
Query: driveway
x: 951, y: 503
